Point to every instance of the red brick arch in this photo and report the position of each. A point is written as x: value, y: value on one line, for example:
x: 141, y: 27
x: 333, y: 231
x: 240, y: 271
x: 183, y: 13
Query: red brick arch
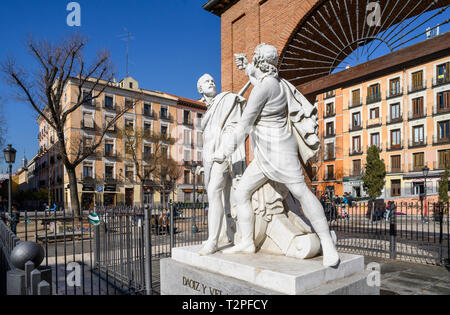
x: 250, y: 22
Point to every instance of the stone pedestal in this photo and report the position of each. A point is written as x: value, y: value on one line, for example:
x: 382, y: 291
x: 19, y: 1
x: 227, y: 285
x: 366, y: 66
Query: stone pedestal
x: 188, y: 273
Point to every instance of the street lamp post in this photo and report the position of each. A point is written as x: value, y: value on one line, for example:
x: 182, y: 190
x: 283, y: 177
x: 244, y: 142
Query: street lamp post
x: 425, y: 172
x: 193, y: 171
x: 10, y: 158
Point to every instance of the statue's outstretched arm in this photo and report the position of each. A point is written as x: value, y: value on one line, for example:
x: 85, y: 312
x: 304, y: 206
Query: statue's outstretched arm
x: 256, y: 102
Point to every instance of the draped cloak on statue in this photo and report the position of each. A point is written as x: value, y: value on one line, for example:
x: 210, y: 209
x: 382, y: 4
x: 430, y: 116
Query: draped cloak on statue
x: 219, y: 121
x: 281, y: 128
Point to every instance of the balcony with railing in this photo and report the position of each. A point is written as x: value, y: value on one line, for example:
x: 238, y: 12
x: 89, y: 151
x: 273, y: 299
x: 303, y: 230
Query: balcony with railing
x: 149, y: 113
x: 441, y: 165
x: 329, y: 156
x: 441, y: 80
x: 393, y: 93
x: 355, y: 103
x: 188, y: 122
x: 354, y: 173
x: 110, y: 179
x: 416, y: 167
x: 354, y: 127
x: 412, y: 143
x: 88, y: 125
x: 329, y: 113
x: 329, y: 95
x: 398, y: 119
x: 370, y: 99
x: 394, y: 147
x: 393, y: 169
x: 111, y: 129
x: 375, y: 122
x: 111, y: 106
x: 419, y: 86
x: 438, y: 140
x: 92, y: 103
x: 111, y: 154
x: 330, y: 133
x: 355, y: 152
x: 440, y: 109
x: 166, y: 116
x: 416, y: 115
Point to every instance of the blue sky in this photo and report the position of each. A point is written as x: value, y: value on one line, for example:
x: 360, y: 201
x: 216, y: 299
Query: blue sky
x: 175, y: 42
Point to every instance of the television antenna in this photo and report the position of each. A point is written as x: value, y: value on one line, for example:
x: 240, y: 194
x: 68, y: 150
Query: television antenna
x: 127, y: 37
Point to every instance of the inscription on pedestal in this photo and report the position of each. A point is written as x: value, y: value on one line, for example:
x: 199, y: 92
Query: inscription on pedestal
x: 200, y: 287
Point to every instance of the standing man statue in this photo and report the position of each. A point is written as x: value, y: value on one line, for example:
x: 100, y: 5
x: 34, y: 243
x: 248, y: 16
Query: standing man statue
x: 282, y: 124
x: 223, y: 113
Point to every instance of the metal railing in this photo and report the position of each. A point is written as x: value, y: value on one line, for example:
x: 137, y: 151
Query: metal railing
x: 416, y: 232
x: 109, y: 247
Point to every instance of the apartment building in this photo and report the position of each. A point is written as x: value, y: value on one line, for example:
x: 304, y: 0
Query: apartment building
x: 405, y: 113
x: 109, y: 175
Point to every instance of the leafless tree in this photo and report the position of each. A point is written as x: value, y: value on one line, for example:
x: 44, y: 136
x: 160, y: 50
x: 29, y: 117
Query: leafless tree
x: 152, y: 166
x: 43, y: 87
x: 2, y: 127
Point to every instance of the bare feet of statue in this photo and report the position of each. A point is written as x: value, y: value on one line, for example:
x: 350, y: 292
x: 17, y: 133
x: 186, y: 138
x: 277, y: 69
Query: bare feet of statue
x: 208, y: 248
x: 243, y: 247
x: 330, y: 254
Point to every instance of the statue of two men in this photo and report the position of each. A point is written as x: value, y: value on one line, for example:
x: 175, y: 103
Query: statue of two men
x: 282, y: 124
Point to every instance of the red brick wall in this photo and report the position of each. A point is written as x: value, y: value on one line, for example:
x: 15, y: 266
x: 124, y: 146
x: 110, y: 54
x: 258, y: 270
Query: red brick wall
x: 250, y: 22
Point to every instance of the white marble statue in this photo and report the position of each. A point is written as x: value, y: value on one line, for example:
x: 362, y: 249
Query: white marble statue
x: 223, y: 113
x: 282, y: 124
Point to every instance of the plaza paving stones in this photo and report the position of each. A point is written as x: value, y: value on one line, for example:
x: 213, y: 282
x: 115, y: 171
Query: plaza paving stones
x: 402, y: 278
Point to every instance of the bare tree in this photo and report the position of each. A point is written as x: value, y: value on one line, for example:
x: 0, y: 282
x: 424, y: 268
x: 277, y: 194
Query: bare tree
x: 59, y: 65
x: 2, y: 127
x: 146, y: 150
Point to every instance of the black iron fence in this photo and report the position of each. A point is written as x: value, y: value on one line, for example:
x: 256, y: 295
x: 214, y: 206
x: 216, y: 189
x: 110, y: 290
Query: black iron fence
x: 416, y: 232
x: 105, y: 252
x: 117, y: 250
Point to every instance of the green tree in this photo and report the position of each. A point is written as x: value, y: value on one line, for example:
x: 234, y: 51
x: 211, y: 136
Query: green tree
x: 374, y: 177
x: 443, y: 186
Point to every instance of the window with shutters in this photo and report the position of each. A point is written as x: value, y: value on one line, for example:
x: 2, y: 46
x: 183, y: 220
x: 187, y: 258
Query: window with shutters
x: 356, y: 167
x: 418, y: 135
x: 417, y: 107
x: 395, y: 112
x: 329, y: 111
x: 129, y: 173
x: 395, y: 139
x: 356, y: 141
x: 109, y: 147
x: 443, y: 73
x: 443, y: 101
x: 147, y: 129
x: 418, y: 161
x: 417, y: 82
x: 396, y: 163
x: 187, y: 137
x: 88, y: 170
x: 330, y: 172
x: 88, y: 120
x: 187, y: 155
x: 187, y: 177
x: 330, y: 129
x: 373, y: 93
x: 394, y: 87
x: 443, y: 159
x: 444, y: 130
x: 356, y: 97
x: 200, y: 139
x: 356, y: 120
x: 108, y: 120
x: 375, y: 140
x: 395, y: 188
